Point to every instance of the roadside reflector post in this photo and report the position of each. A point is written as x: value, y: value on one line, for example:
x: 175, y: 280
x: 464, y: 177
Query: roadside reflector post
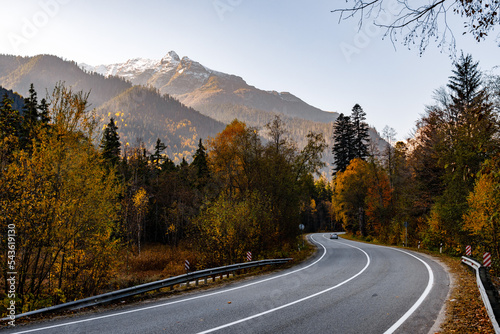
x: 186, y: 266
x: 468, y: 250
x: 418, y: 245
x: 487, y: 259
x: 441, y: 248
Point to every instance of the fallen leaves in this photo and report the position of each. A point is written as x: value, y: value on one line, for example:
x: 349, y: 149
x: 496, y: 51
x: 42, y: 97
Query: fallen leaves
x: 465, y: 311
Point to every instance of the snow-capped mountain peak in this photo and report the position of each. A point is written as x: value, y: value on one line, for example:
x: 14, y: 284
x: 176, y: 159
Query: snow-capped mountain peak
x: 170, y: 57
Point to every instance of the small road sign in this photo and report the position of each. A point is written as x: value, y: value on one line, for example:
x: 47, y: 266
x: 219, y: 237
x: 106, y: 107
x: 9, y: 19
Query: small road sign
x: 468, y: 250
x: 249, y: 256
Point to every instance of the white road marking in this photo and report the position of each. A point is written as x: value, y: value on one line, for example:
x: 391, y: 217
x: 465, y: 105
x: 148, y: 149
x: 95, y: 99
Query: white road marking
x: 177, y: 301
x: 391, y: 330
x: 294, y: 302
x: 420, y: 300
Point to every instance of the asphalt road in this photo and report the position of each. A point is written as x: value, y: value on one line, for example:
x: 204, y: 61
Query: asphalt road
x: 348, y: 287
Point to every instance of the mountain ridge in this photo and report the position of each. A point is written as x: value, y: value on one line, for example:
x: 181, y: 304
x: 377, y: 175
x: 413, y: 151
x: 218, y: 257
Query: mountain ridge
x: 196, y: 86
x: 143, y: 114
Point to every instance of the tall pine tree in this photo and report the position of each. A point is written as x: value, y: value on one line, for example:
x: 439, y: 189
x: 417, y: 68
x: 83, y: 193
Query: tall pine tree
x: 110, y: 143
x: 33, y: 115
x: 157, y: 158
x: 360, y: 132
x: 200, y: 160
x: 343, y: 147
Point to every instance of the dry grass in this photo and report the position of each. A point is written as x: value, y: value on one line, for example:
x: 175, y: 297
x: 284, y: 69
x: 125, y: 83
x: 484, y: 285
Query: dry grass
x: 155, y: 262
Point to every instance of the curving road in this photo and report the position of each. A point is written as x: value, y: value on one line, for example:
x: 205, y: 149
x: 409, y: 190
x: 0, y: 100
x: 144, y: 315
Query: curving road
x: 348, y: 287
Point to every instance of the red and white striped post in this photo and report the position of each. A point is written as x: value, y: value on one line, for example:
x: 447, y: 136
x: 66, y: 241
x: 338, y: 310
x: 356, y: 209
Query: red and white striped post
x: 468, y: 250
x: 249, y: 256
x: 487, y: 259
x: 186, y: 266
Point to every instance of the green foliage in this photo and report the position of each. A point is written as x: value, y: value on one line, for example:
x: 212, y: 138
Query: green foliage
x: 110, y: 143
x: 343, y: 150
x: 350, y: 136
x: 360, y: 132
x: 226, y: 230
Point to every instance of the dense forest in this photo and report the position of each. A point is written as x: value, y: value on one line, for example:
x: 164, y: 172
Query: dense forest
x: 77, y: 211
x: 443, y: 184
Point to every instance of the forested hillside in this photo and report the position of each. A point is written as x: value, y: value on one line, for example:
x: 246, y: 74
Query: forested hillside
x: 148, y: 114
x: 143, y: 114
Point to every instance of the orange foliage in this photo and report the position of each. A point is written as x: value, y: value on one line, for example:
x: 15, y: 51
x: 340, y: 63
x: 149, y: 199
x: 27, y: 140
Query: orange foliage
x: 224, y: 155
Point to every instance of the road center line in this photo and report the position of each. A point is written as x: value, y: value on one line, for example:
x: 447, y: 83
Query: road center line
x: 181, y: 300
x: 297, y: 301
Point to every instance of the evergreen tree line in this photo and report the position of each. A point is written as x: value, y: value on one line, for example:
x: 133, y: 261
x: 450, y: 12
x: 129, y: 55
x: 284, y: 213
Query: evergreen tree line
x: 441, y: 186
x: 350, y: 139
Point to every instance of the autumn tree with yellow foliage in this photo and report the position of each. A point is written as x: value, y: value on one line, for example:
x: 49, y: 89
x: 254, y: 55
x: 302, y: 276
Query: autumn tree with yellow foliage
x: 482, y: 220
x: 262, y: 189
x: 64, y: 205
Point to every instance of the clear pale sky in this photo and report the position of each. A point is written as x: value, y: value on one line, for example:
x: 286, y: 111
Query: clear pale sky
x: 284, y: 45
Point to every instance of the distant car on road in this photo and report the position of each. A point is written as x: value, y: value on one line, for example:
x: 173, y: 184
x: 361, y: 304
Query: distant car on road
x: 334, y: 236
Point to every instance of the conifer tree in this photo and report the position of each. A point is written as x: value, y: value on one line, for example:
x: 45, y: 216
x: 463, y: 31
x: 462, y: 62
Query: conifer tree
x: 30, y: 118
x: 360, y: 129
x: 30, y: 110
x: 200, y: 160
x: 343, y: 147
x: 157, y: 157
x: 465, y: 85
x: 110, y: 143
x: 10, y: 120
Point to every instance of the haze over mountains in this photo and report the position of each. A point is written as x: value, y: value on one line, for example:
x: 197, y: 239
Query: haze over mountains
x: 141, y: 113
x: 176, y: 100
x: 205, y: 90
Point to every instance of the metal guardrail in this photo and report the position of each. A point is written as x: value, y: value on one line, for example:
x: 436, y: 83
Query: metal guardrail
x: 488, y: 298
x: 136, y: 290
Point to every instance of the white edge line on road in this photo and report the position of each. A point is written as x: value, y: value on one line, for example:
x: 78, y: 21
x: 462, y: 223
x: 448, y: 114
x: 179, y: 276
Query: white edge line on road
x: 294, y: 302
x: 177, y: 301
x: 420, y: 300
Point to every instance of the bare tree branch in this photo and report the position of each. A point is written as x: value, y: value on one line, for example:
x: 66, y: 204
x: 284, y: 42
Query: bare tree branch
x: 421, y: 23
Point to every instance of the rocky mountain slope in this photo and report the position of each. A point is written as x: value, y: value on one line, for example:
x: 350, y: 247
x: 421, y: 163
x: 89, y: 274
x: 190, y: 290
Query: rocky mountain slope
x: 202, y: 88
